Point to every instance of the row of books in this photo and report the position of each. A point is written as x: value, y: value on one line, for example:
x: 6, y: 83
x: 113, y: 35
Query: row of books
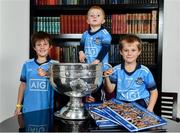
x: 50, y: 25
x: 148, y: 54
x: 63, y: 24
x: 87, y: 2
x: 135, y: 23
x: 69, y: 54
x: 139, y: 23
x: 73, y: 23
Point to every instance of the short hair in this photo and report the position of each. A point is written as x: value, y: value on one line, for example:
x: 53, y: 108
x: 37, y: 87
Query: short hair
x: 130, y: 38
x: 96, y: 7
x: 40, y: 35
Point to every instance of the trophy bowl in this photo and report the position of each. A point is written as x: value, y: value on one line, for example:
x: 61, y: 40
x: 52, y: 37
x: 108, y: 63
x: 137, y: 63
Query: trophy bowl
x: 75, y: 80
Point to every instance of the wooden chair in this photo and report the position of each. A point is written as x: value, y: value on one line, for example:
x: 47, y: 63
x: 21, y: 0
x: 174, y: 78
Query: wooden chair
x: 169, y: 105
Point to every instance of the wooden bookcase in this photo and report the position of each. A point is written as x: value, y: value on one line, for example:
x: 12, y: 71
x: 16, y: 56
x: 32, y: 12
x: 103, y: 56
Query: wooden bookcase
x: 136, y: 16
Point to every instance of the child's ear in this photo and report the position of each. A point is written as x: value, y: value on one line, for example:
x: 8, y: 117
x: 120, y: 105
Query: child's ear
x: 87, y: 21
x: 50, y: 47
x: 103, y: 21
x: 139, y: 52
x: 34, y: 48
x: 120, y: 52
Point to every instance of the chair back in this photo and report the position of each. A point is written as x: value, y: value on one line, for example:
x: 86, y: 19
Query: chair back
x: 169, y: 105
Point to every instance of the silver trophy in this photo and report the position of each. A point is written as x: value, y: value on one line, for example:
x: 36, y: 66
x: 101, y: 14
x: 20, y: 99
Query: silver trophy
x: 75, y: 80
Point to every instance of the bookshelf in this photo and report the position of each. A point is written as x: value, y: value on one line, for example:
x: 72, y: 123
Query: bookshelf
x: 66, y: 21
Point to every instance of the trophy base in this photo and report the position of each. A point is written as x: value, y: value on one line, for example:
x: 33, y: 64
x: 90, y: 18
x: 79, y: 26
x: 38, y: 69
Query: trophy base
x: 74, y: 110
x: 72, y: 114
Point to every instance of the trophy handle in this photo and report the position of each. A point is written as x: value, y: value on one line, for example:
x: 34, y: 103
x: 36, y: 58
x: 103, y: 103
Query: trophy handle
x: 110, y: 67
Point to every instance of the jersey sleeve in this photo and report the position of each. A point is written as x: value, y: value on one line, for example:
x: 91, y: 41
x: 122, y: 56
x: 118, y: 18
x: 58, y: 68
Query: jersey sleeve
x: 82, y: 42
x: 23, y: 73
x: 150, y: 82
x: 106, y: 41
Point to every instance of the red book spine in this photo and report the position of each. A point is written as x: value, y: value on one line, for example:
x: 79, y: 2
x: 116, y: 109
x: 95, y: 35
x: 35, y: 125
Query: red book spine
x: 62, y: 24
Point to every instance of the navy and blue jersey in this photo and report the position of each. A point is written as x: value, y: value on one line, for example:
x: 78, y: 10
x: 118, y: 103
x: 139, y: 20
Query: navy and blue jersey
x: 96, y: 45
x: 135, y: 85
x: 38, y: 93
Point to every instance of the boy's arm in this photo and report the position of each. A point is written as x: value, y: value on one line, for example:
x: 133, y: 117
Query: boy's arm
x: 82, y: 41
x: 153, y: 99
x: 106, y: 42
x: 104, y: 50
x: 20, y: 98
x: 81, y: 50
x: 109, y: 87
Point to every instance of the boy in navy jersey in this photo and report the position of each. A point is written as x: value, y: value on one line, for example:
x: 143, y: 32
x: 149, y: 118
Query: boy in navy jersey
x: 35, y: 91
x: 95, y: 42
x: 133, y: 81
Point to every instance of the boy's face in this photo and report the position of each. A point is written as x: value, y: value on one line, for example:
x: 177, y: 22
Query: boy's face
x: 130, y: 51
x: 95, y: 17
x: 42, y: 48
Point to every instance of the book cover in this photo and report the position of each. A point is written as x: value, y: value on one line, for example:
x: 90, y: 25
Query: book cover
x: 101, y: 121
x: 133, y: 116
x: 102, y: 114
x: 97, y: 114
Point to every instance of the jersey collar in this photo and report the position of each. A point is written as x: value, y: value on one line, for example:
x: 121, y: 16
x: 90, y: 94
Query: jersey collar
x: 92, y: 33
x: 48, y: 59
x: 138, y: 66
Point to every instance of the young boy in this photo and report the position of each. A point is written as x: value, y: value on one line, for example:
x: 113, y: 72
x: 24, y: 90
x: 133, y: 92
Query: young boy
x: 95, y: 42
x: 133, y: 81
x: 35, y: 91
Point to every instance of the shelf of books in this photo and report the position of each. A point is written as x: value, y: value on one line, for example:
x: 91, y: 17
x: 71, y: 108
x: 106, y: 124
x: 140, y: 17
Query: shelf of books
x: 136, y: 23
x: 123, y: 17
x: 71, y: 27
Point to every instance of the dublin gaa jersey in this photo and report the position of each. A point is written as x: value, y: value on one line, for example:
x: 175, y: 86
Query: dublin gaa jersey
x: 135, y: 85
x: 38, y: 93
x: 93, y: 42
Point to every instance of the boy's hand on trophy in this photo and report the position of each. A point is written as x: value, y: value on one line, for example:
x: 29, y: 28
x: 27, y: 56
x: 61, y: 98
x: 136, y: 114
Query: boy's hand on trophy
x: 42, y: 72
x: 108, y: 72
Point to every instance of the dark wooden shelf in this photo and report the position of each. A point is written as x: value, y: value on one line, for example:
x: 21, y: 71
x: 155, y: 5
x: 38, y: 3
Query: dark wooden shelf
x: 76, y: 37
x: 68, y: 36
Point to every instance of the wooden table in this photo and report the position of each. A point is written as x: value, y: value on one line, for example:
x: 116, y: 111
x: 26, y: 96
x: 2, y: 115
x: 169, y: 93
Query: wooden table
x: 45, y: 121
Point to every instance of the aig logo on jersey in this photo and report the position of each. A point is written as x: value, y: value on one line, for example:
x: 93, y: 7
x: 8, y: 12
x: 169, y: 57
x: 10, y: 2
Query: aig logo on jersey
x: 90, y: 51
x: 37, y: 128
x: 38, y: 85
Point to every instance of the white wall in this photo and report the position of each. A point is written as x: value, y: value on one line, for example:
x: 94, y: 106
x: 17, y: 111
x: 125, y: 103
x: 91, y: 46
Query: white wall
x: 14, y: 47
x: 14, y: 50
x: 171, y: 48
x: 0, y: 60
